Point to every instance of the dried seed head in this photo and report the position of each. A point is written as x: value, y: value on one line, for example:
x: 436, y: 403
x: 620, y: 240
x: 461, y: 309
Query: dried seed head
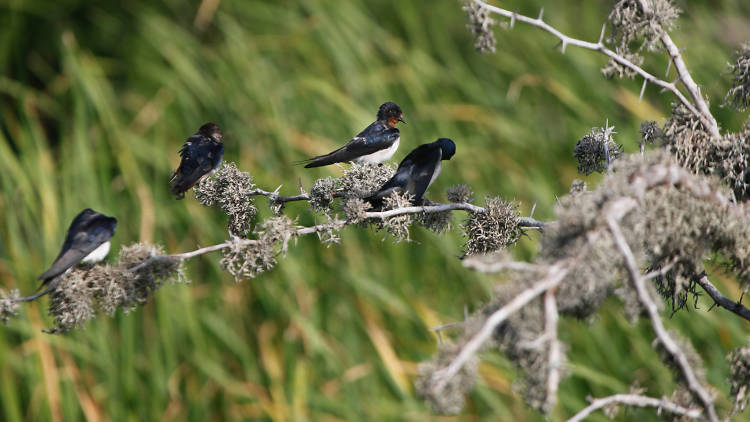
x: 650, y: 132
x: 738, y: 95
x: 459, y: 193
x: 229, y: 189
x: 596, y: 151
x: 8, y: 305
x: 493, y: 229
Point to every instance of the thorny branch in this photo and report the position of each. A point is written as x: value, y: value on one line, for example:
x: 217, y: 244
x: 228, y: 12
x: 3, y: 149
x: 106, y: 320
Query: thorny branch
x: 619, y: 209
x: 687, y: 80
x: 699, y: 109
x: 721, y: 300
x: 635, y: 400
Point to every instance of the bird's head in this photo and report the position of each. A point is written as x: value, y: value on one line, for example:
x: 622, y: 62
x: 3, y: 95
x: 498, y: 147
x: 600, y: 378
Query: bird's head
x: 212, y: 130
x: 391, y: 114
x: 447, y: 147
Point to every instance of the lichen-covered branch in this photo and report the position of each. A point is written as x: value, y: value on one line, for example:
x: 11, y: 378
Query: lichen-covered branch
x: 554, y: 275
x: 700, y: 392
x: 635, y: 400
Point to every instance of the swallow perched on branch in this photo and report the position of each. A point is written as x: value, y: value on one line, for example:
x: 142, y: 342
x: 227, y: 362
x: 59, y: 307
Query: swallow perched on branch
x: 416, y: 172
x: 87, y: 242
x: 201, y: 155
x: 377, y: 143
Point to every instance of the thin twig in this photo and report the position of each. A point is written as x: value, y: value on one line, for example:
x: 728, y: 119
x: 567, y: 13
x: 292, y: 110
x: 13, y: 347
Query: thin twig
x: 638, y: 401
x: 279, y: 199
x: 698, y: 390
x: 722, y: 301
x: 701, y: 111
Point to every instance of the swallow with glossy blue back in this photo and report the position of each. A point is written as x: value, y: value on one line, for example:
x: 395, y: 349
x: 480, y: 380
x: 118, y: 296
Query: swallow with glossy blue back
x: 416, y: 172
x: 87, y: 242
x: 377, y: 143
x: 200, y: 156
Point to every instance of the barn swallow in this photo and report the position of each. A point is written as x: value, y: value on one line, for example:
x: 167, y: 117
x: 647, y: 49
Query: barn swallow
x: 201, y: 155
x: 416, y: 172
x: 87, y: 242
x: 377, y: 143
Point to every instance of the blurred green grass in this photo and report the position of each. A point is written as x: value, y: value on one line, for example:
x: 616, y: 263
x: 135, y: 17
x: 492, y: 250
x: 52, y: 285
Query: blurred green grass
x: 97, y: 97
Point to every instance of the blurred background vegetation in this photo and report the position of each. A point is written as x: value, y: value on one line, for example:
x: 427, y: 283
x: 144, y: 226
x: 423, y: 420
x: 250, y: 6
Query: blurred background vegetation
x: 97, y: 97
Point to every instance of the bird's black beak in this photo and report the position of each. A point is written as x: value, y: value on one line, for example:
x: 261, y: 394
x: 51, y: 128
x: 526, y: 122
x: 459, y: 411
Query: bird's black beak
x: 400, y: 119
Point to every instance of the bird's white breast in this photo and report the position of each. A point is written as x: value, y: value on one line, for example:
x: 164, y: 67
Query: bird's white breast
x: 436, y: 173
x: 380, y: 156
x: 97, y: 254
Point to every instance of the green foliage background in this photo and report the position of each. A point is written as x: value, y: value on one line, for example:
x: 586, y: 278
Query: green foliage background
x: 97, y: 97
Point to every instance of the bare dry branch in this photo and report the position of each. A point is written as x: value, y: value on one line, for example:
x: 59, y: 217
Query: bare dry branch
x: 637, y: 401
x: 699, y: 109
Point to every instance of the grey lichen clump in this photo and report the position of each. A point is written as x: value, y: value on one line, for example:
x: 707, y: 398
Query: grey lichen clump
x: 449, y: 400
x: 596, y: 151
x: 358, y: 181
x: 397, y: 226
x: 81, y: 293
x: 738, y: 95
x: 322, y: 194
x: 739, y: 378
x: 459, y: 193
x: 650, y: 132
x: 437, y: 222
x: 634, y: 27
x: 8, y: 305
x: 727, y: 157
x: 693, y: 358
x: 355, y: 209
x: 246, y: 258
x: 519, y: 339
x: 361, y: 180
x: 480, y: 24
x: 493, y: 229
x: 229, y: 190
